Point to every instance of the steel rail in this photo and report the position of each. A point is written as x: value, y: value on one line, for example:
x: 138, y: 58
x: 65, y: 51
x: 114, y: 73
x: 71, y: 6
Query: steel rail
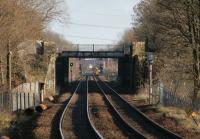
x: 94, y: 131
x: 134, y: 132
x: 144, y: 117
x: 98, y: 135
x: 65, y: 109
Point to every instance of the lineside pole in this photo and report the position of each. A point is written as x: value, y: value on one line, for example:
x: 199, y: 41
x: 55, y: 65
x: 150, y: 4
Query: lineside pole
x: 131, y: 67
x: 150, y: 61
x: 150, y: 83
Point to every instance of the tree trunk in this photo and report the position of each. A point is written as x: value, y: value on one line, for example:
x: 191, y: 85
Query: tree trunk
x: 193, y: 30
x: 2, y: 72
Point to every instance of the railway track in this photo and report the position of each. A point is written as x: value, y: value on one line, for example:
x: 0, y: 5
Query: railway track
x: 104, y: 117
x: 132, y: 117
x: 75, y: 120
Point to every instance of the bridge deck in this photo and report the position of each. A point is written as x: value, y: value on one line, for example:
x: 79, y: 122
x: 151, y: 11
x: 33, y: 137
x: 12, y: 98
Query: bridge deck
x: 93, y: 54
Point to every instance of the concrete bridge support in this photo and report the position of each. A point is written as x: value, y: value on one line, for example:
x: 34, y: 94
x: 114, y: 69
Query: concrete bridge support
x: 62, y: 72
x: 125, y: 71
x: 137, y: 73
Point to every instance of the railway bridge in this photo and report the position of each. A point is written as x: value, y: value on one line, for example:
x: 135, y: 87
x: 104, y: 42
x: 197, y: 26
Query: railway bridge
x: 124, y: 56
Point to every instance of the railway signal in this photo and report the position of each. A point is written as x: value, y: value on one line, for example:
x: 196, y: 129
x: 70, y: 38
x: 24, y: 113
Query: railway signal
x: 71, y: 65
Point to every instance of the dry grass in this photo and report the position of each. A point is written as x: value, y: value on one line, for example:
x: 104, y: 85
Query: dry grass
x: 181, y: 117
x: 141, y: 98
x: 102, y: 119
x: 175, y: 119
x: 5, y: 122
x: 42, y: 132
x: 40, y: 126
x: 171, y: 112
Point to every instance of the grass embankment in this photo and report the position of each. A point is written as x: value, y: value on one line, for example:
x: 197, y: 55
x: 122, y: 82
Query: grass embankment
x: 181, y: 117
x: 175, y: 119
x: 6, y: 119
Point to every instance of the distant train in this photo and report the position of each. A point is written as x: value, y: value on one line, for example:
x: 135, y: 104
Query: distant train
x: 92, y: 71
x: 96, y: 71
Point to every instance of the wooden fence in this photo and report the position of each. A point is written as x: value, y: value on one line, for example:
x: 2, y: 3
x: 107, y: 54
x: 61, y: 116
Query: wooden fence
x: 18, y: 101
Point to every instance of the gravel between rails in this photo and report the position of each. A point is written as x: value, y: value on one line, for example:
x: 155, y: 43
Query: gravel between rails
x: 101, y: 116
x: 75, y: 122
x: 133, y: 117
x: 103, y: 120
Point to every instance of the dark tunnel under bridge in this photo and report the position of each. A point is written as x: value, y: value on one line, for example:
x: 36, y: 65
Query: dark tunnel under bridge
x: 126, y: 64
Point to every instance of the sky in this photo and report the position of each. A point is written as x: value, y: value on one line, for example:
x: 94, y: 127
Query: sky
x: 95, y: 21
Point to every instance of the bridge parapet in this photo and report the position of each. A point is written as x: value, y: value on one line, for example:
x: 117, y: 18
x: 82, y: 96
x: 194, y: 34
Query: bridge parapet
x: 97, y: 51
x: 89, y: 54
x: 96, y: 47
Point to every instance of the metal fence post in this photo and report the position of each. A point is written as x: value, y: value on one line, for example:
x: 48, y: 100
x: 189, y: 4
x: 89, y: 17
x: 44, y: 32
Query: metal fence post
x: 17, y: 101
x: 161, y: 93
x: 24, y: 100
x: 34, y: 99
x: 11, y: 103
x: 29, y: 100
x: 20, y: 99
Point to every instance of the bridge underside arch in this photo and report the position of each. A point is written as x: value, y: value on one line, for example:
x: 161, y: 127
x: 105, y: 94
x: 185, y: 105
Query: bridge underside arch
x: 125, y: 65
x: 125, y: 72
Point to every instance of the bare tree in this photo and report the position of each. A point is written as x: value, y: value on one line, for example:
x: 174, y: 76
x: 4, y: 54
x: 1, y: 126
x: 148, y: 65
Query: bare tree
x: 128, y: 37
x: 170, y: 26
x: 22, y: 20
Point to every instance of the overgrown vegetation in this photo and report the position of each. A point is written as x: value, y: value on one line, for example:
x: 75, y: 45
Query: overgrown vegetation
x: 5, y: 122
x: 22, y: 21
x: 22, y: 24
x: 172, y: 29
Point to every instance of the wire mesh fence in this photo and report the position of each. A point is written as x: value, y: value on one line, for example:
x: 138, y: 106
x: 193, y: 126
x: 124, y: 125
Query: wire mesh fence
x: 167, y: 97
x: 18, y: 101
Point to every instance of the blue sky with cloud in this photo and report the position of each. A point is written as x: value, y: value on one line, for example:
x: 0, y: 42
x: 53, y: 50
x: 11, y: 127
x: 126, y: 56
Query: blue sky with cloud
x: 95, y: 21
